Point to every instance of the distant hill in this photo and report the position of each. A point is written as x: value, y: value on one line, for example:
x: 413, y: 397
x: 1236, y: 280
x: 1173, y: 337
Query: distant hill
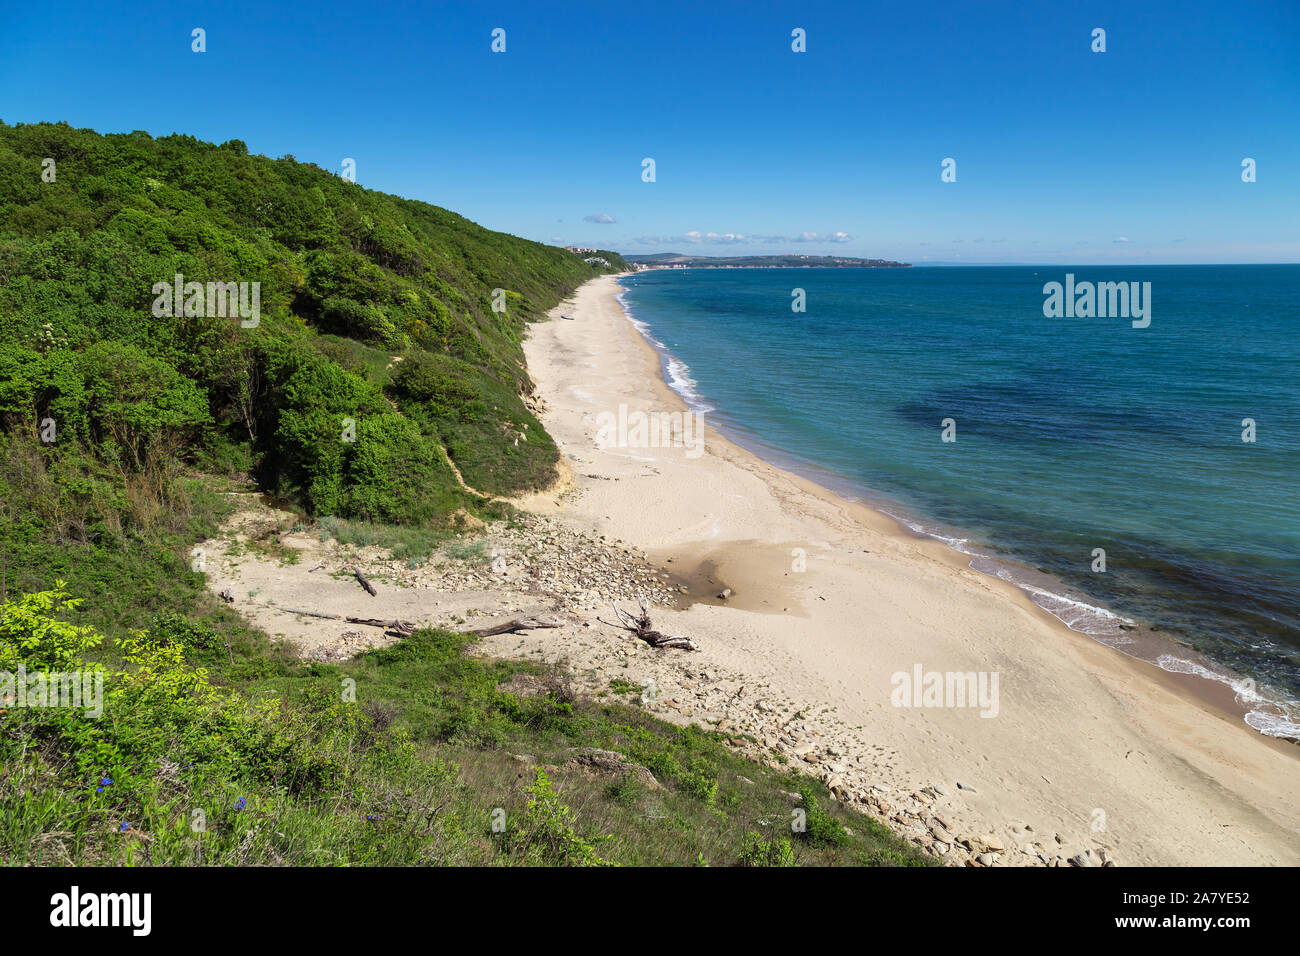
x: 673, y: 260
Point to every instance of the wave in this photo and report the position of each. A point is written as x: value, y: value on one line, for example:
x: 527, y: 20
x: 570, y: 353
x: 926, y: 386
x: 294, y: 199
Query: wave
x: 1048, y: 593
x: 1267, y: 712
x: 676, y: 372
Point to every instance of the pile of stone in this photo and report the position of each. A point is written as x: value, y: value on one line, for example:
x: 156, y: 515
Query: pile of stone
x: 534, y: 555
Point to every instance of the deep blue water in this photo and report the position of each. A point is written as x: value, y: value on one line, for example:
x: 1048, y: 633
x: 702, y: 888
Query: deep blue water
x: 1071, y: 433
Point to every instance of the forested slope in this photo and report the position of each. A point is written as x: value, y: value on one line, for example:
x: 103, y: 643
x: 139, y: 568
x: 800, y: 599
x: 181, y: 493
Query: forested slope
x: 376, y: 345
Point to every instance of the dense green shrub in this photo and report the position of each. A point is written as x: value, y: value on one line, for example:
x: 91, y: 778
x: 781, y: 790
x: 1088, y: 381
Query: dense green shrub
x: 760, y: 851
x: 820, y: 828
x: 548, y: 835
x: 396, y: 475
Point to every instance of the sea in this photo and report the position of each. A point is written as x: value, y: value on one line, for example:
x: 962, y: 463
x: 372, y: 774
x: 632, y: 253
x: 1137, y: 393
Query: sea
x: 1133, y: 473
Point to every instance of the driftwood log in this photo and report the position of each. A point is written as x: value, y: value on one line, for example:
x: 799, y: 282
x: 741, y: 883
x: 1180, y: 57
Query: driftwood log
x: 640, y: 626
x: 361, y: 579
x: 401, y: 627
x: 529, y: 624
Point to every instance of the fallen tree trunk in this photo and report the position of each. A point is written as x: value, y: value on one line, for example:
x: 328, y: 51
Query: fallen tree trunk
x: 400, y: 626
x: 640, y: 626
x: 530, y: 624
x: 298, y: 610
x: 659, y: 639
x: 361, y: 579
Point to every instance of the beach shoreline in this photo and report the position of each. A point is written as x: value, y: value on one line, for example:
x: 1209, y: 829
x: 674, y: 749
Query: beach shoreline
x: 1191, y: 670
x: 831, y: 600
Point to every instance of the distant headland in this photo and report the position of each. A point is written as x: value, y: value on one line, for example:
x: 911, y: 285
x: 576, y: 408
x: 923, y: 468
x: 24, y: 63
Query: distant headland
x: 673, y: 260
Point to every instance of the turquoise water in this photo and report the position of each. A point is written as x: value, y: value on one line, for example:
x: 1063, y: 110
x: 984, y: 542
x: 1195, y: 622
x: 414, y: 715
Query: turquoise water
x: 1072, y: 434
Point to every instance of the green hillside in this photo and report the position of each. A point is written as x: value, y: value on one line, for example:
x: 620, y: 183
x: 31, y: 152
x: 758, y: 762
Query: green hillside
x: 373, y: 308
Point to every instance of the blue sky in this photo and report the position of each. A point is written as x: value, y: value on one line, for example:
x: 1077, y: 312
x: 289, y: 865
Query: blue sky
x: 1063, y: 155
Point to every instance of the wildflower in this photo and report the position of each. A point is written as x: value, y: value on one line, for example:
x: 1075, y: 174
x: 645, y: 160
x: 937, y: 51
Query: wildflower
x: 104, y: 781
x: 240, y: 805
x: 123, y: 827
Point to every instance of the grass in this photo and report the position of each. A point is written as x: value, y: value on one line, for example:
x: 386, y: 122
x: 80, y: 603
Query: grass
x: 408, y: 756
x: 472, y: 551
x: 620, y: 686
x: 414, y: 545
x: 265, y: 542
x: 453, y: 704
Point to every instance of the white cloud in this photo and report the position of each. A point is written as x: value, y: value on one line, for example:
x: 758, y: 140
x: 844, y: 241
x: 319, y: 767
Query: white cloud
x: 739, y: 238
x: 600, y: 217
x: 837, y: 236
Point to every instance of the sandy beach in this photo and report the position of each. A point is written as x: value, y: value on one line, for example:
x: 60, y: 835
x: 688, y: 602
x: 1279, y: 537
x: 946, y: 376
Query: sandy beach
x: 1086, y: 753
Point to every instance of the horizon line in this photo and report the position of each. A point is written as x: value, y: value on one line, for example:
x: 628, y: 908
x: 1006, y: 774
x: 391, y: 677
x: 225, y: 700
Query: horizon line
x: 952, y: 264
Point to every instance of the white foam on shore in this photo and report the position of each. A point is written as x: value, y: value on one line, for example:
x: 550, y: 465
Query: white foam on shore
x: 621, y: 298
x: 1073, y: 612
x: 1267, y: 713
x: 1273, y: 715
x: 677, y: 372
x: 680, y: 381
x: 1078, y: 615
